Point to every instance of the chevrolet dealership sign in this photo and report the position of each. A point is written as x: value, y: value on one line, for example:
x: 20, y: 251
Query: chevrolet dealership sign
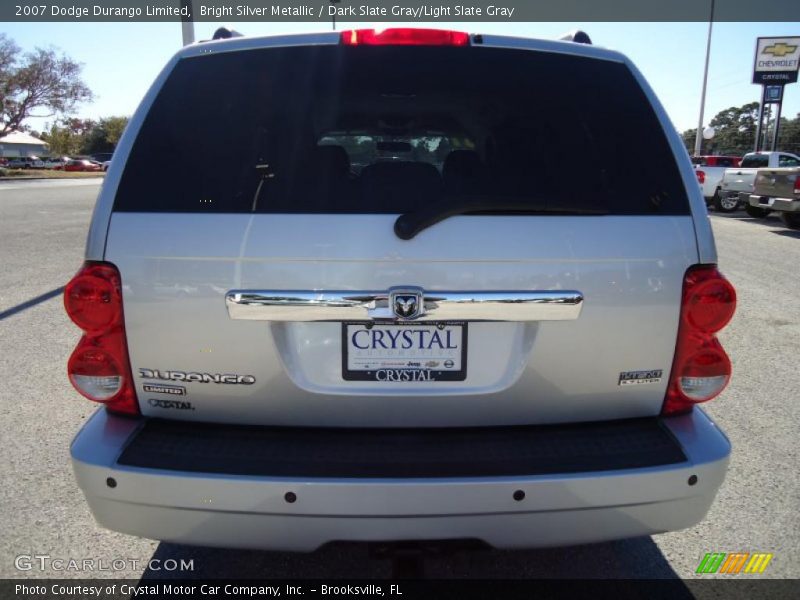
x: 777, y: 60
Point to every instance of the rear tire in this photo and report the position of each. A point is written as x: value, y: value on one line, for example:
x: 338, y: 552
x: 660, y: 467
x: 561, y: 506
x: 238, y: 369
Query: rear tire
x: 725, y: 205
x: 757, y: 213
x: 791, y: 220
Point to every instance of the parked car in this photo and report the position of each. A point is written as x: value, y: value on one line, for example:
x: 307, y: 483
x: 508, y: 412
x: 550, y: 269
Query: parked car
x: 82, y: 165
x: 55, y: 162
x: 777, y: 190
x: 715, y: 160
x: 737, y: 183
x: 709, y: 171
x: 288, y: 354
x: 60, y: 162
x: 102, y: 157
x: 26, y: 162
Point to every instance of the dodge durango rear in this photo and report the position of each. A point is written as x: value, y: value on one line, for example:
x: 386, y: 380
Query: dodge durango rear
x: 416, y: 288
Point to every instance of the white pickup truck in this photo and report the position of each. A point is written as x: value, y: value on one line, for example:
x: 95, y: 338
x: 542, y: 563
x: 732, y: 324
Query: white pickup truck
x: 709, y: 171
x: 737, y: 183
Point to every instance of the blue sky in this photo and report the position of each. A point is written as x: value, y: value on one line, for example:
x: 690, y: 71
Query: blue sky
x: 121, y: 59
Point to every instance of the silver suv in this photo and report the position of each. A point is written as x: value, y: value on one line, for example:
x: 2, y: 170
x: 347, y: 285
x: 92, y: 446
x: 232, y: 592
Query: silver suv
x: 411, y: 292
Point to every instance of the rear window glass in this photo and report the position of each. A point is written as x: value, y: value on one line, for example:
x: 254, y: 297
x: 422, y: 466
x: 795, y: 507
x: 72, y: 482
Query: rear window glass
x: 335, y: 129
x: 755, y: 161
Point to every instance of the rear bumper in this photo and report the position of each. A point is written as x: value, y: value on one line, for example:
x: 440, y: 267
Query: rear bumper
x: 252, y: 511
x: 740, y: 197
x: 777, y: 204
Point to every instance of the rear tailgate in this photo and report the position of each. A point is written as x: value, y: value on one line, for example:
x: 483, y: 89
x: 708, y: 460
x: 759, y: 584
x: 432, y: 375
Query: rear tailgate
x: 776, y: 183
x: 286, y: 183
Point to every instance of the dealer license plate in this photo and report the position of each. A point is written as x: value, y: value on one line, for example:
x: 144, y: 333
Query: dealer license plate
x: 400, y: 352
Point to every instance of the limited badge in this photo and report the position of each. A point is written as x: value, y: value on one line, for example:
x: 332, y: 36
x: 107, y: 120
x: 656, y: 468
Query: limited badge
x: 640, y: 377
x: 174, y: 390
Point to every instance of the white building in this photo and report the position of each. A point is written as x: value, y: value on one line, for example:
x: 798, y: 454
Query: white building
x: 19, y: 143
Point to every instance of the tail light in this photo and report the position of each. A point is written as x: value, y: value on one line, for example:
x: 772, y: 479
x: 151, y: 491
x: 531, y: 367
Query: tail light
x: 701, y: 369
x: 402, y: 36
x: 701, y: 176
x: 99, y: 367
x: 797, y: 185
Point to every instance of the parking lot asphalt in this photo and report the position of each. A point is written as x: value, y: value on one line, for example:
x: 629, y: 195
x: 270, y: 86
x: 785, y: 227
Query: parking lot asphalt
x: 42, y: 233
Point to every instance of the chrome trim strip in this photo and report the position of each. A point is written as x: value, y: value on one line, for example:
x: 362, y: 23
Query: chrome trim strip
x: 327, y: 305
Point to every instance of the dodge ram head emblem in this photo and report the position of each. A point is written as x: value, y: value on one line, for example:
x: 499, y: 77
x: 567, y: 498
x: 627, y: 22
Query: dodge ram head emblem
x: 406, y: 304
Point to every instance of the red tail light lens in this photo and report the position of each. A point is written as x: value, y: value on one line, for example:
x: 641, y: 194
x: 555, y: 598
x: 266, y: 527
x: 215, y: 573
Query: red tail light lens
x: 400, y: 36
x: 797, y: 185
x: 701, y: 369
x: 709, y: 300
x: 701, y: 176
x: 92, y: 298
x: 99, y: 367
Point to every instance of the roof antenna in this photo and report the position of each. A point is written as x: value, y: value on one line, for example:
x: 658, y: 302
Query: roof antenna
x: 223, y: 33
x: 577, y: 36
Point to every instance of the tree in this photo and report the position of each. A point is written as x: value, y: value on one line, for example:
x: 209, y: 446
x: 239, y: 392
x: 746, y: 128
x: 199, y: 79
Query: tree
x: 73, y: 136
x: 68, y: 137
x: 789, y: 135
x: 37, y: 84
x: 103, y: 135
x: 688, y: 138
x: 113, y: 128
x: 734, y: 131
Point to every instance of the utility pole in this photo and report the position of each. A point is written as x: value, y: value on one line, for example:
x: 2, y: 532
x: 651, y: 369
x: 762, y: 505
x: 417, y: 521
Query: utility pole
x: 187, y: 23
x: 334, y: 14
x: 698, y: 138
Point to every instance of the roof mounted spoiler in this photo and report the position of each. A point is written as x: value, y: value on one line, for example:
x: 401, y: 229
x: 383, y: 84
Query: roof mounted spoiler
x: 223, y: 33
x: 577, y: 36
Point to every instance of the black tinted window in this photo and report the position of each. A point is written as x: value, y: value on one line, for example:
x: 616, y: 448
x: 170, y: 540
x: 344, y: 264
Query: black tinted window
x: 755, y: 161
x: 391, y: 129
x: 787, y: 161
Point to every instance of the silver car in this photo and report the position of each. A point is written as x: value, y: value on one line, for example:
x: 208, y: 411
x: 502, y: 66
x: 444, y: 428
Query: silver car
x: 473, y: 340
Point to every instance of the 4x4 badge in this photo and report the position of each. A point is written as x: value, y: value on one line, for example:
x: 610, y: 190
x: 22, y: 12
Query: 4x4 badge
x: 406, y: 303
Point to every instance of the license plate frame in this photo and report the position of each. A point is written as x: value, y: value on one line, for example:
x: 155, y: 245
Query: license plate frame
x: 420, y: 375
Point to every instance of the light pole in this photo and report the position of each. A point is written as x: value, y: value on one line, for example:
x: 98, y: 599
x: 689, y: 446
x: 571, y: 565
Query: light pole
x: 334, y: 13
x: 698, y: 139
x: 187, y: 23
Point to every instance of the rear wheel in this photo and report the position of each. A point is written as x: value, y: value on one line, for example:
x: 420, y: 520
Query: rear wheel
x: 791, y: 220
x: 755, y: 212
x: 727, y: 204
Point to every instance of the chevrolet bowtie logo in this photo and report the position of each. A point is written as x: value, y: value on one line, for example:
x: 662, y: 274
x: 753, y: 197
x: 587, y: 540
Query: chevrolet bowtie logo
x: 779, y: 49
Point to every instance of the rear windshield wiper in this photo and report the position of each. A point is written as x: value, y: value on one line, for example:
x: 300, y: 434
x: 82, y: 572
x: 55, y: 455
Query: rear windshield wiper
x: 410, y: 224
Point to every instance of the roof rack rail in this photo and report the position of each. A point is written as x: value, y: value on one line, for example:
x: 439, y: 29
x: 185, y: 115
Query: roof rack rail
x: 223, y: 33
x: 577, y: 36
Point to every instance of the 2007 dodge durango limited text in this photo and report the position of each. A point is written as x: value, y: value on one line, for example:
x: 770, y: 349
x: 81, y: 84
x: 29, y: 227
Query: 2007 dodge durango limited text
x: 391, y: 311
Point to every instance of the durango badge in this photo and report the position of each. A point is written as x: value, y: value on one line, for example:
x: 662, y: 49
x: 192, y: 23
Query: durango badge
x: 196, y: 377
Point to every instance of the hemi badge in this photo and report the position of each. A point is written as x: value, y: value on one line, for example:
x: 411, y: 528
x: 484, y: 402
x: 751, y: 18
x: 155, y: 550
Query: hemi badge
x: 640, y: 377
